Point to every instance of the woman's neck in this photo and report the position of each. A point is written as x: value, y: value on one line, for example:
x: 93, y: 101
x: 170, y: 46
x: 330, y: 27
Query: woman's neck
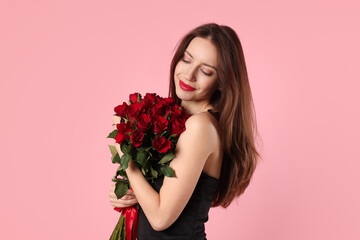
x: 193, y: 109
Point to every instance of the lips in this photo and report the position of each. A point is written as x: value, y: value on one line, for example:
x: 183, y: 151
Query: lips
x: 185, y: 87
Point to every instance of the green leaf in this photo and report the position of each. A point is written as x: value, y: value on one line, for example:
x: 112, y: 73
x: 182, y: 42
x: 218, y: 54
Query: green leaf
x: 125, y: 148
x: 112, y: 150
x: 116, y: 158
x: 121, y: 172
x: 113, y: 134
x: 120, y: 189
x: 133, y: 151
x: 172, y: 136
x: 125, y: 159
x: 141, y: 157
x: 154, y: 173
x: 167, y: 171
x: 139, y: 149
x: 148, y: 148
x: 144, y: 171
x: 166, y: 158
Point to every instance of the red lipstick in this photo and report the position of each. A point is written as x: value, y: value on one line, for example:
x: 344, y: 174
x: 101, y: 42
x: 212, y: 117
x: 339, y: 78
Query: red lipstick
x: 185, y: 87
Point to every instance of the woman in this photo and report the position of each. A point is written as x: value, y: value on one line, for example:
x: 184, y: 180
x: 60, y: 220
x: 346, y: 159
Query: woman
x: 216, y: 154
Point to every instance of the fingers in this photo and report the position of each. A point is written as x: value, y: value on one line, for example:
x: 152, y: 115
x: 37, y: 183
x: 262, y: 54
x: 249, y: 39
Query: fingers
x: 116, y: 120
x: 123, y: 203
x: 126, y: 197
x: 126, y: 201
x: 129, y: 191
x: 118, y: 149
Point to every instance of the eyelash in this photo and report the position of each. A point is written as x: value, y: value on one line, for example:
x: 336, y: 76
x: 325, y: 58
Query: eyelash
x: 207, y: 74
x: 185, y: 60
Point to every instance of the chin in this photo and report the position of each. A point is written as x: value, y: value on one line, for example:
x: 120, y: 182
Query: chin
x: 182, y: 94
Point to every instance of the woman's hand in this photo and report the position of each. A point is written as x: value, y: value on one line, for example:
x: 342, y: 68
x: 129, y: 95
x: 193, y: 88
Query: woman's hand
x: 116, y: 120
x: 126, y: 201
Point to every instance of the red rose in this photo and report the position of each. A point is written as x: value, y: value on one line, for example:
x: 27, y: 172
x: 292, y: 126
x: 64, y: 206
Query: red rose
x: 132, y: 123
x: 144, y: 122
x: 119, y: 138
x: 175, y: 112
x: 178, y: 126
x: 136, y: 138
x: 160, y: 105
x: 155, y: 110
x: 183, y: 111
x: 158, y: 98
x: 134, y: 111
x: 123, y: 127
x: 185, y: 114
x: 168, y: 101
x: 160, y: 124
x: 145, y: 104
x: 134, y: 97
x: 150, y: 97
x: 161, y: 144
x: 122, y: 135
x: 121, y: 110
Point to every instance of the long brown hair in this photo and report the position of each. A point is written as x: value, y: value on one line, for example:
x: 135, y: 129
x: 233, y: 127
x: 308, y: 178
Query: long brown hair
x: 232, y: 104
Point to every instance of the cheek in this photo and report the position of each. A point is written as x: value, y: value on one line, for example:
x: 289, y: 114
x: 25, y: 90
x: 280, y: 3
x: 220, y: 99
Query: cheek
x: 180, y: 68
x: 176, y: 73
x: 176, y: 70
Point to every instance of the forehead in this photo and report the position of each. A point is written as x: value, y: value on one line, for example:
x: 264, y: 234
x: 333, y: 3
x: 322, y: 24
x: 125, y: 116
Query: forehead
x: 203, y: 50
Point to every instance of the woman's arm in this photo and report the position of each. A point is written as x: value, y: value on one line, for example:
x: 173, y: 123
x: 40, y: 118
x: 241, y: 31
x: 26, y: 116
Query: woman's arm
x: 193, y: 148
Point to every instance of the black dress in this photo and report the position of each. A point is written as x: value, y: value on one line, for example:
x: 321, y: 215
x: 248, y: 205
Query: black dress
x: 190, y: 224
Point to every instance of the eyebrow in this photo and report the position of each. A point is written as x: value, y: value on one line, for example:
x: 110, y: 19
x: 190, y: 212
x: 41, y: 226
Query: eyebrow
x: 203, y: 63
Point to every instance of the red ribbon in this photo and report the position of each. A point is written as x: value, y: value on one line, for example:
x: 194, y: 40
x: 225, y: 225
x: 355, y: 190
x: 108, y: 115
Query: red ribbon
x: 131, y: 220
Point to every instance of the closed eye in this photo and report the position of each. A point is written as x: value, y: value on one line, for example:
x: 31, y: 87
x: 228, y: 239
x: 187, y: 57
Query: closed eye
x: 207, y: 74
x: 184, y: 60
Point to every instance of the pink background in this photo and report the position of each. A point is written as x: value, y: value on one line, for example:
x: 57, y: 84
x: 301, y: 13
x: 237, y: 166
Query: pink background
x: 64, y: 66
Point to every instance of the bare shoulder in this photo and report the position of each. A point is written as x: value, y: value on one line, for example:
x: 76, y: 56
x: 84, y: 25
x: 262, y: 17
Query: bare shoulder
x: 203, y: 121
x: 199, y: 145
x: 205, y: 126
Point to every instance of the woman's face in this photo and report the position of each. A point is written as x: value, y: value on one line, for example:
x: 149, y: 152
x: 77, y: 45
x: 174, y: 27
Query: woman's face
x: 195, y: 74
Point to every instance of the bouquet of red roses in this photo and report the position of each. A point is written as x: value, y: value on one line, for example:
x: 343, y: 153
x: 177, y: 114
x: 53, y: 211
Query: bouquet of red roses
x: 148, y: 131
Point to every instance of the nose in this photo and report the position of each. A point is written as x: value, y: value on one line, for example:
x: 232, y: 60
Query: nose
x: 190, y: 74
